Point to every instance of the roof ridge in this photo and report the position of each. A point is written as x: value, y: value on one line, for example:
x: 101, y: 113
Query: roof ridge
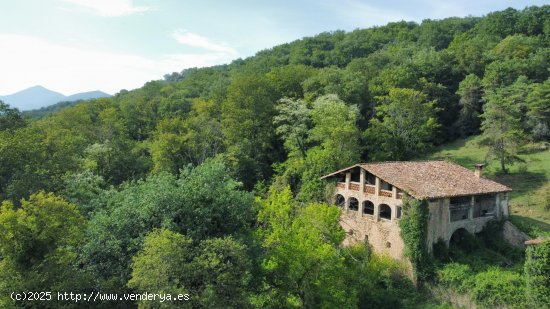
x: 408, y: 161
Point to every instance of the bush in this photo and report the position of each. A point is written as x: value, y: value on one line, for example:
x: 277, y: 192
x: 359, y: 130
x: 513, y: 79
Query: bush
x: 497, y: 287
x: 456, y: 276
x: 537, y: 273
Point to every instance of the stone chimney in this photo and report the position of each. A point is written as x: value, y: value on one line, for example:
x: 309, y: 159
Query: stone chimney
x: 479, y: 170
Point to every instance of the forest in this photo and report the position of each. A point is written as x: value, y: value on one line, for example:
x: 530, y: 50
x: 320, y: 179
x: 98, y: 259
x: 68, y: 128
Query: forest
x: 207, y: 182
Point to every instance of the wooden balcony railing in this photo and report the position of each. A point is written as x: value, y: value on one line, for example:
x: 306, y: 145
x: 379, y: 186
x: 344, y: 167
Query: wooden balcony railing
x: 354, y: 186
x: 369, y: 189
x: 341, y: 185
x: 385, y: 193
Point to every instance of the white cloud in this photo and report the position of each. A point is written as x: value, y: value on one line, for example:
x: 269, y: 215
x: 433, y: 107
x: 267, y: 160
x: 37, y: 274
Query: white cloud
x: 28, y: 61
x: 109, y: 8
x: 195, y: 40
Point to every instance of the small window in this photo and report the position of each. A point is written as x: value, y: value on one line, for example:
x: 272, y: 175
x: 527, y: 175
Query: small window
x: 385, y: 186
x: 370, y: 179
x: 368, y: 208
x: 340, y: 201
x: 385, y: 212
x: 388, y: 244
x: 398, y: 212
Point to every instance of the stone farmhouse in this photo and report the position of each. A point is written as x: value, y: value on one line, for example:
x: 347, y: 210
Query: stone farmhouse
x: 371, y: 194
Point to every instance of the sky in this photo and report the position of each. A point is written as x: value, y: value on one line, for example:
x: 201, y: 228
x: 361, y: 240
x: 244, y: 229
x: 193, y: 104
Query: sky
x: 74, y: 46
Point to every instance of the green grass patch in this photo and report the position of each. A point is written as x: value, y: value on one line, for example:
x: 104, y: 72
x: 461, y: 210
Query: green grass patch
x: 530, y: 181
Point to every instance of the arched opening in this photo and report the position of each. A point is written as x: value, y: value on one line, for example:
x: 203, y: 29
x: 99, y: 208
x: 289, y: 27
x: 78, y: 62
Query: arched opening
x: 353, y: 204
x: 458, y: 236
x: 385, y: 212
x: 340, y: 201
x: 368, y: 208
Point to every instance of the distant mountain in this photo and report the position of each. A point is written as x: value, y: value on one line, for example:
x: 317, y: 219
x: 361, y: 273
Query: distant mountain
x: 87, y: 96
x: 38, y: 96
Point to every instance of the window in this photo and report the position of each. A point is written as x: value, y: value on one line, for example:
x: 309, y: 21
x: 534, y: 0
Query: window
x: 459, y: 208
x: 385, y: 186
x: 353, y: 204
x: 398, y: 212
x: 340, y: 201
x: 356, y: 174
x: 368, y: 208
x: 388, y: 244
x: 484, y: 205
x: 385, y: 212
x: 370, y: 179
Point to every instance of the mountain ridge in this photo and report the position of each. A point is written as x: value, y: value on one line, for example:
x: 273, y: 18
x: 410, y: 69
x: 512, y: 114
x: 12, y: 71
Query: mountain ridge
x: 38, y: 96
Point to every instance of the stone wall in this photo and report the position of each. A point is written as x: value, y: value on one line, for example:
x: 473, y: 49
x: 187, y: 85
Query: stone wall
x: 383, y: 235
x: 513, y: 235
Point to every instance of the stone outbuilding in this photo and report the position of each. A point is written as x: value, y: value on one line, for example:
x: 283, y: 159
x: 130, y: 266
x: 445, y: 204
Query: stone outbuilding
x: 371, y: 196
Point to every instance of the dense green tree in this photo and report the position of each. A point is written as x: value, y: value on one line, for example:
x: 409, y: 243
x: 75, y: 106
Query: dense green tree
x: 301, y: 258
x: 10, y: 118
x: 84, y: 190
x: 404, y: 126
x: 439, y: 33
x: 203, y: 202
x: 288, y: 80
x: 470, y: 91
x: 247, y: 125
x: 502, y: 122
x: 214, y: 274
x: 350, y: 86
x: 163, y: 265
x: 293, y: 123
x: 538, y: 105
x: 471, y: 52
x: 37, y: 243
x: 515, y: 46
x: 168, y: 146
x: 337, y: 143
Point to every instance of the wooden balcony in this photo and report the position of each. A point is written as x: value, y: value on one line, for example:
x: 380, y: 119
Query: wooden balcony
x: 369, y: 189
x: 354, y: 186
x: 385, y: 193
x: 341, y: 185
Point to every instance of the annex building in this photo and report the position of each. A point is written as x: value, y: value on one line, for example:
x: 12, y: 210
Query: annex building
x: 371, y: 197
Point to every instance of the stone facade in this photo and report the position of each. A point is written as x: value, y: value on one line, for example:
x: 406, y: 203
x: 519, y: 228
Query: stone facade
x: 371, y: 210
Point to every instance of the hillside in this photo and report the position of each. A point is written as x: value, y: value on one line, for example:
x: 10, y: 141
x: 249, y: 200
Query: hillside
x: 530, y: 180
x: 207, y: 183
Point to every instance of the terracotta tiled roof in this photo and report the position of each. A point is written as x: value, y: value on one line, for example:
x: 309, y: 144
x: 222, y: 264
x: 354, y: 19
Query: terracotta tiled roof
x: 536, y: 241
x: 431, y: 179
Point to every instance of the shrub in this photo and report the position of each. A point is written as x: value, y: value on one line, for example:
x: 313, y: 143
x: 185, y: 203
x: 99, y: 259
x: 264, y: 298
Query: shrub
x: 537, y: 273
x: 456, y: 276
x: 497, y: 287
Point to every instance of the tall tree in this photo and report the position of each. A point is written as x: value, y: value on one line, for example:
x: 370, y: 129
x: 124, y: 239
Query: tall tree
x: 37, y: 244
x: 404, y: 126
x: 470, y: 91
x: 301, y: 258
x: 293, y: 122
x: 247, y: 125
x: 10, y: 118
x: 502, y: 122
x: 538, y: 110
